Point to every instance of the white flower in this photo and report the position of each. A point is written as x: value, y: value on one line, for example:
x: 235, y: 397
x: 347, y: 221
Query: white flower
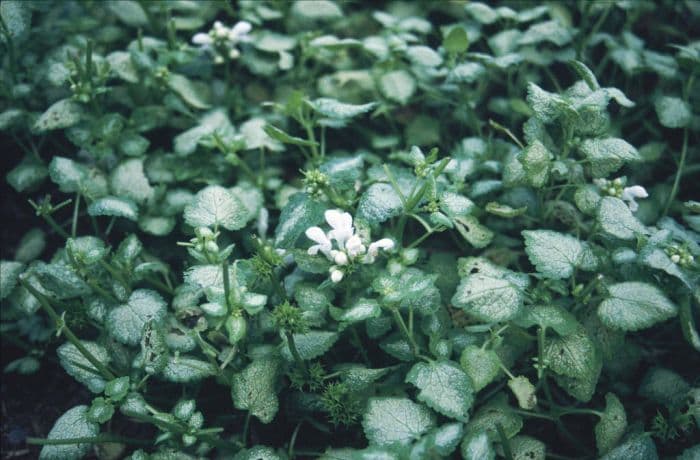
x: 263, y: 221
x: 341, y: 223
x: 629, y: 194
x: 348, y: 245
x: 340, y: 258
x: 354, y: 246
x: 202, y: 39
x: 323, y: 243
x: 239, y: 32
x: 336, y: 275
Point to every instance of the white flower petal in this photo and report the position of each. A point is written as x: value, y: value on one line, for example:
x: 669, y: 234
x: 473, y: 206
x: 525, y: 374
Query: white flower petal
x: 385, y: 243
x: 354, y: 246
x: 336, y: 275
x: 202, y: 39
x: 636, y: 191
x: 324, y: 244
x: 340, y: 258
x: 241, y: 28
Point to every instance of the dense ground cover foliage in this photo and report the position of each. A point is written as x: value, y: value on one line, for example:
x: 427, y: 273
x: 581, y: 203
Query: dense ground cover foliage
x: 353, y: 230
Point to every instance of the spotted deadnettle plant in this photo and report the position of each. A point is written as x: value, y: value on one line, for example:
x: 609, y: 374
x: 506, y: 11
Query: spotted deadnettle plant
x: 348, y: 248
x: 528, y: 301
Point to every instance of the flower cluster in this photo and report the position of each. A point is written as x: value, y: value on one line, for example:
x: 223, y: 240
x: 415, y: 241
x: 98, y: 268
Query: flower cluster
x: 349, y: 247
x: 680, y: 255
x: 224, y: 39
x: 617, y: 189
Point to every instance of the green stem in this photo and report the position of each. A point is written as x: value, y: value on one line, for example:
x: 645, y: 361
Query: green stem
x: 99, y: 439
x: 358, y: 344
x: 295, y: 352
x: 227, y: 285
x: 72, y: 338
x: 679, y: 173
x: 76, y: 208
x: 246, y: 427
x: 507, y: 452
x: 404, y: 330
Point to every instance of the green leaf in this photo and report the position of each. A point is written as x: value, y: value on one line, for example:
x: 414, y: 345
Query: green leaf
x: 61, y: 280
x: 133, y: 145
x: 664, y: 386
x: 128, y: 180
x: 100, y: 411
x: 193, y: 94
x: 31, y: 245
x: 129, y: 12
x: 114, y: 206
x: 481, y: 12
x: 27, y: 175
x: 413, y: 289
x: 477, y: 446
x: 494, y: 413
x: 183, y: 369
x: 214, y: 121
x: 673, y: 112
x: 612, y: 424
x: 333, y: 108
x: 9, y: 273
x: 439, y: 443
x: 16, y: 15
x: 473, y: 231
x: 397, y: 86
x: 488, y: 298
x: 547, y: 106
x: 126, y: 321
x: 62, y: 114
x: 481, y: 365
x: 640, y: 447
x: 311, y: 344
x: 279, y: 135
x: 585, y: 73
x: 72, y: 424
x: 67, y: 174
x: 423, y: 56
x: 300, y: 213
x: 536, y: 161
x: 87, y: 250
x: 157, y: 225
x: 393, y: 421
x: 117, y: 389
x: 527, y: 448
x: 633, y: 305
x: 444, y: 387
x: 549, y: 316
x: 78, y: 367
x: 607, y: 155
x: 361, y: 310
x: 524, y: 391
x: 258, y: 453
x: 358, y: 378
x: 316, y: 10
x: 215, y: 206
x: 456, y: 40
x: 121, y: 64
x: 253, y: 389
x: 549, y: 31
x: 556, y: 255
x: 616, y: 219
x: 576, y: 361
x: 379, y: 203
x: 253, y: 131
